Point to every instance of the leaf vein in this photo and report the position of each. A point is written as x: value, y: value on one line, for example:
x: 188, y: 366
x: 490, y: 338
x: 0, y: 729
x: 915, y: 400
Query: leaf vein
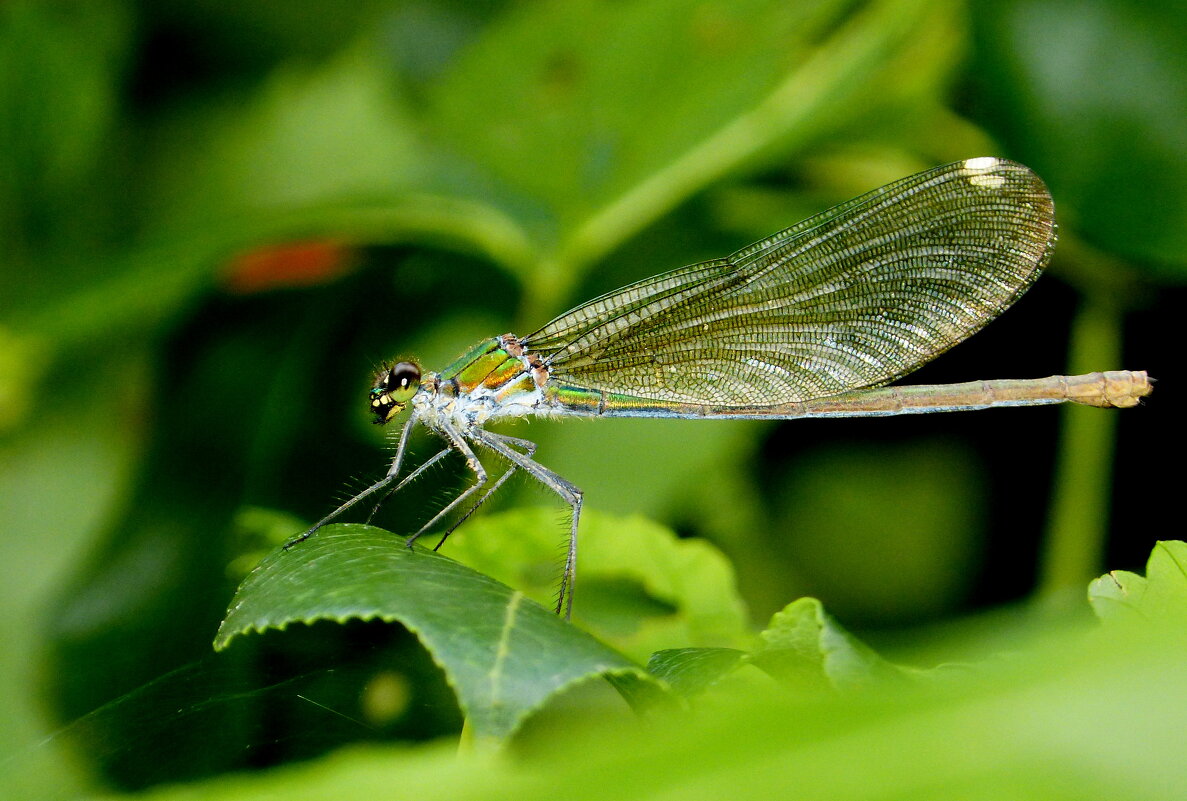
x: 501, y: 651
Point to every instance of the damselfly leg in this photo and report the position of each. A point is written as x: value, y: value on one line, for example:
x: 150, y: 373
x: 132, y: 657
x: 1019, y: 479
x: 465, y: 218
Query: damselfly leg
x: 529, y: 448
x: 571, y: 495
x: 378, y: 486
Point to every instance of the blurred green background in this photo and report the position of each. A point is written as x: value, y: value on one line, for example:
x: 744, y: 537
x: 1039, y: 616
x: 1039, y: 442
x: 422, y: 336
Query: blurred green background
x: 216, y: 219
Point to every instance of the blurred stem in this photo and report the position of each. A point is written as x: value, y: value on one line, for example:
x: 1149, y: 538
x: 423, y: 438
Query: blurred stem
x: 793, y: 113
x: 547, y: 294
x: 1078, y: 526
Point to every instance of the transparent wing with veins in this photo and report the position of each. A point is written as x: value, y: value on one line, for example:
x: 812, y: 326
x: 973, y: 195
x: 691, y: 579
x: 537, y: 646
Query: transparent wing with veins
x: 854, y: 297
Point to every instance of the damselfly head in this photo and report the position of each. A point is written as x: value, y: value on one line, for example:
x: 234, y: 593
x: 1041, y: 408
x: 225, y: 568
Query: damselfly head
x: 394, y: 387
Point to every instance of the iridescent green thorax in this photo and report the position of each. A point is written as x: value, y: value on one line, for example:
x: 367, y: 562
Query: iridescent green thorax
x: 459, y: 364
x: 487, y: 365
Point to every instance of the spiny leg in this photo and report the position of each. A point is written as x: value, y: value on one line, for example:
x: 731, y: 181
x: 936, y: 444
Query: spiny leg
x: 529, y: 448
x: 397, y: 462
x: 376, y: 487
x: 392, y: 473
x: 458, y: 443
x: 571, y: 494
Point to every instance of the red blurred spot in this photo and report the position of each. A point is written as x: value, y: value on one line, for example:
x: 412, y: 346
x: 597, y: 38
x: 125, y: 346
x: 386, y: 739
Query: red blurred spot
x: 292, y: 265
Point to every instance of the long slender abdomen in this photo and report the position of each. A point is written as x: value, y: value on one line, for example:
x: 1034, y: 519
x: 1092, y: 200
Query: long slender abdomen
x: 1115, y: 389
x: 1119, y: 389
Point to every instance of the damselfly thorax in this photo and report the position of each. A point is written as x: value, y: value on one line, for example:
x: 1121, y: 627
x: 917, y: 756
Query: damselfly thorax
x: 495, y: 379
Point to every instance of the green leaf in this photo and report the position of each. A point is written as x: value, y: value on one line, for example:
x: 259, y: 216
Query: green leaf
x: 804, y: 648
x: 329, y: 151
x: 59, y: 73
x: 1063, y: 720
x: 804, y: 645
x: 334, y: 133
x: 1158, y: 597
x: 690, y: 671
x: 504, y: 654
x: 1094, y: 99
x: 638, y: 586
x: 587, y: 149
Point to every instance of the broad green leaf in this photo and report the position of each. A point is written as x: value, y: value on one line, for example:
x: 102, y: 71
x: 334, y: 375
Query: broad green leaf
x: 804, y: 648
x: 639, y: 586
x: 504, y: 654
x: 1158, y: 597
x: 59, y: 79
x: 1093, y: 96
x: 804, y: 645
x: 1117, y: 595
x: 331, y: 134
x: 590, y: 149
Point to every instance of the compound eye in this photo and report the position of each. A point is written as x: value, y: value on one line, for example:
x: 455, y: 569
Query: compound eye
x: 393, y: 389
x: 402, y: 381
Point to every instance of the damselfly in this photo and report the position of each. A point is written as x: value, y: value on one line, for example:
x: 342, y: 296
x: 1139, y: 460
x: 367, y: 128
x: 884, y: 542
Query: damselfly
x: 809, y: 322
